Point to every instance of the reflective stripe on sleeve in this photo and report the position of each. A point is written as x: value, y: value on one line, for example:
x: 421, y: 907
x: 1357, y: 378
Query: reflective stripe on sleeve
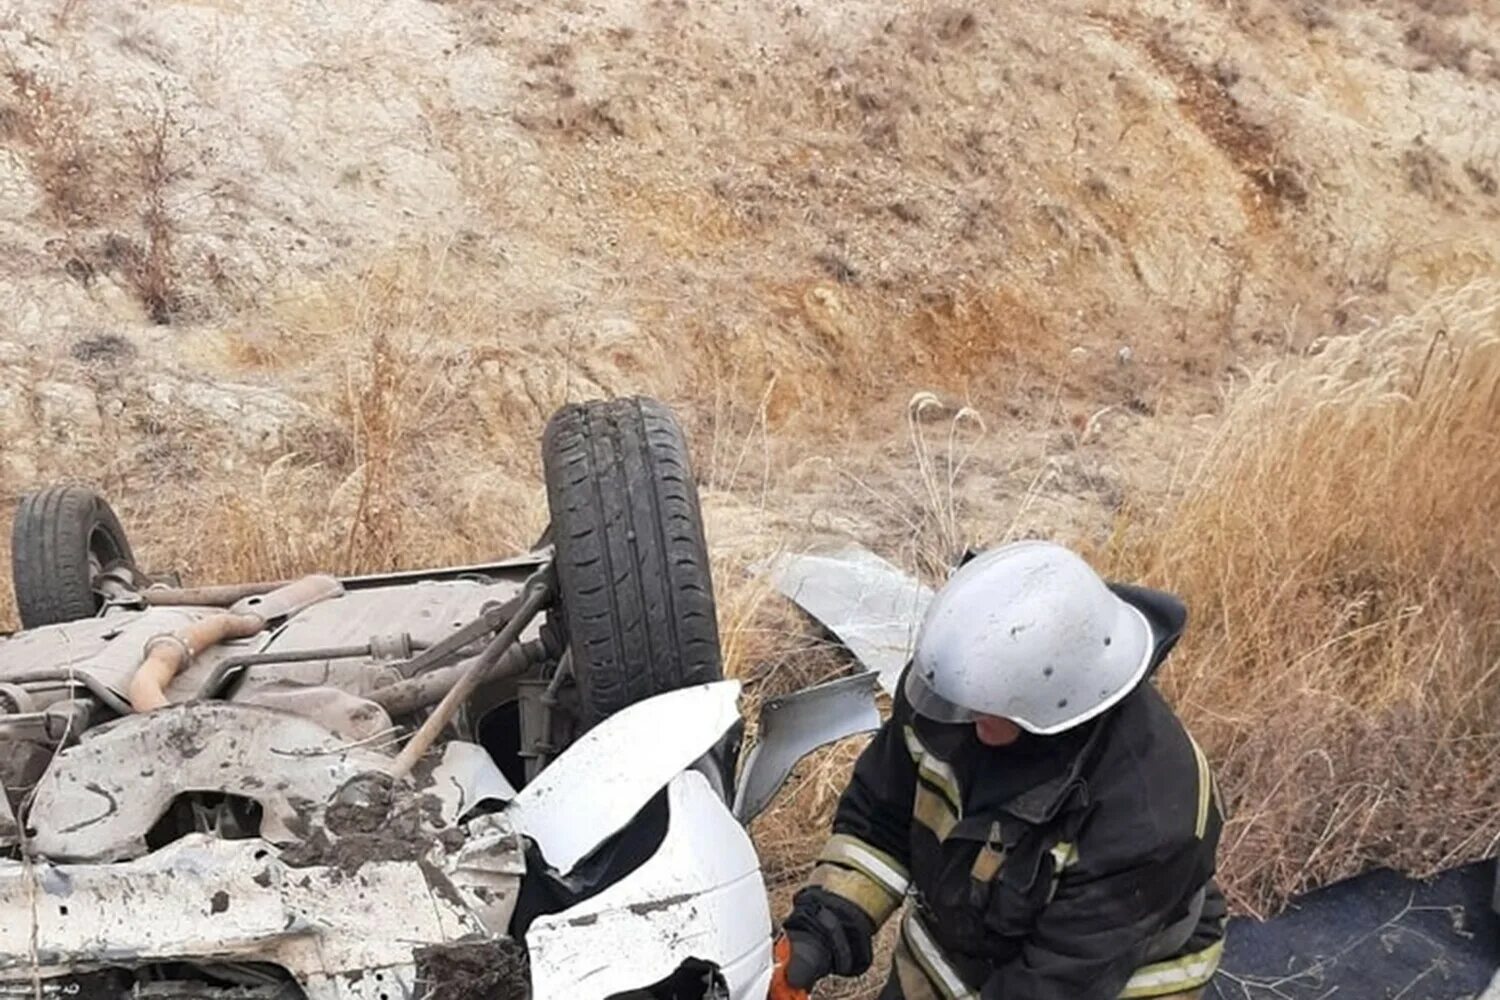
x: 1176, y: 975
x: 858, y: 889
x: 864, y: 875
x: 871, y: 862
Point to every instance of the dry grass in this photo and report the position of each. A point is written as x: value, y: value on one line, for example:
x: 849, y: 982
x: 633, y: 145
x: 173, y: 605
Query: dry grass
x: 1339, y: 550
x: 413, y: 454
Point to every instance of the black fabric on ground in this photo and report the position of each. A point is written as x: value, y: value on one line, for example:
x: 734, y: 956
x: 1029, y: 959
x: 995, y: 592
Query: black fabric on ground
x: 1380, y: 936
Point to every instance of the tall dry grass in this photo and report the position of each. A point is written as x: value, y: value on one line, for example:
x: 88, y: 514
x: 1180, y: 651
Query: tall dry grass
x: 1339, y: 547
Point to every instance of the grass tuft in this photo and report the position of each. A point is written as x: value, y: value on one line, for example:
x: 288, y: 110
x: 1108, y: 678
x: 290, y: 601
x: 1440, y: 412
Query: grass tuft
x: 1339, y: 551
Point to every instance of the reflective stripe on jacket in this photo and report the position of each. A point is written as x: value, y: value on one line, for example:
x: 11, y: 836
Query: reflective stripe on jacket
x: 1093, y: 883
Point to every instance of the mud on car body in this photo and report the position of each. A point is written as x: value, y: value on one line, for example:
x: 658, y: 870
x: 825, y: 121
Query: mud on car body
x: 518, y: 779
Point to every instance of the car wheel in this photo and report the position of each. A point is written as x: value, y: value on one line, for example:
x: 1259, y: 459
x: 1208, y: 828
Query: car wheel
x: 63, y: 538
x: 634, y: 589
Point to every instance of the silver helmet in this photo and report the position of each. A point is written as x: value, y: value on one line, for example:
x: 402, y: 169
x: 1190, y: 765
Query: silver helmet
x: 1030, y: 633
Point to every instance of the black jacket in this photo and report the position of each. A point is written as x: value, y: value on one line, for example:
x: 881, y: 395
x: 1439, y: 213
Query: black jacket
x: 1065, y: 868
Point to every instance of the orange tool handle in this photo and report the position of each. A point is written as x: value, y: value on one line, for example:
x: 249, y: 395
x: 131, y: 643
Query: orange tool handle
x: 780, y: 988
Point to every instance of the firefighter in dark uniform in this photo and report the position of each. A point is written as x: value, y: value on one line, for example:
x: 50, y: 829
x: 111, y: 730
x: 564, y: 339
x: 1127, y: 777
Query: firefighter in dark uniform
x: 1043, y: 815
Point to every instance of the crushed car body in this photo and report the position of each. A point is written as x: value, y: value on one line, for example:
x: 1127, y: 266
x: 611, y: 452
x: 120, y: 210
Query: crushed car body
x: 519, y: 779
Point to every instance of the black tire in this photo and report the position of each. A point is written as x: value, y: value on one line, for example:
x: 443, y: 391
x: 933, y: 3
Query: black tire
x: 635, y: 595
x: 61, y: 539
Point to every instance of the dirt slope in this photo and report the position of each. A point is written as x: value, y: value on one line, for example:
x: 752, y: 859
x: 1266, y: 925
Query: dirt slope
x: 849, y: 202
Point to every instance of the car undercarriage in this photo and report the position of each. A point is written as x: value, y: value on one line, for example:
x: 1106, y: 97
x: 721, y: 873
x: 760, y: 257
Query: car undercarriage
x: 516, y: 779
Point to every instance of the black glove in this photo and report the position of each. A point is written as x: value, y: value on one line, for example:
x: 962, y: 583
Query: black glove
x: 829, y: 936
x: 811, y: 960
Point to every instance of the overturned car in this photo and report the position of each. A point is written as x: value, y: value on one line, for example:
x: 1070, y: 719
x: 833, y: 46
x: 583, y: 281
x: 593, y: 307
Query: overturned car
x: 517, y: 779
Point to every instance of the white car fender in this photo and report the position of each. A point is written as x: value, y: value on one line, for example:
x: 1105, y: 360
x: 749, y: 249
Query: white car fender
x: 606, y: 777
x: 700, y: 896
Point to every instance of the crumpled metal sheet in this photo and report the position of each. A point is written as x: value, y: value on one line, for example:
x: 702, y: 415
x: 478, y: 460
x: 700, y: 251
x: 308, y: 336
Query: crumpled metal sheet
x: 487, y: 871
x: 465, y: 777
x: 343, y: 936
x: 793, y: 726
x: 613, y: 770
x: 872, y: 606
x: 101, y: 796
x: 699, y: 896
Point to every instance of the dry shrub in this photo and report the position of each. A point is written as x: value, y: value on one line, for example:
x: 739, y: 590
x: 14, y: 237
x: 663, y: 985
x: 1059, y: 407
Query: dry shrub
x: 153, y: 274
x: 89, y: 183
x: 1340, y: 553
x: 414, y: 469
x: 47, y: 126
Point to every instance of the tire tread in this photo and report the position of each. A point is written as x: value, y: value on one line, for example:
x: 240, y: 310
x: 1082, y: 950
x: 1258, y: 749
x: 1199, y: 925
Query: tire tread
x: 633, y: 571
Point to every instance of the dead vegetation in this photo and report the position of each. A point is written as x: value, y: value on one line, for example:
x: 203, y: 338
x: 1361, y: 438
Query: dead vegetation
x: 1339, y: 551
x: 109, y: 195
x: 38, y: 118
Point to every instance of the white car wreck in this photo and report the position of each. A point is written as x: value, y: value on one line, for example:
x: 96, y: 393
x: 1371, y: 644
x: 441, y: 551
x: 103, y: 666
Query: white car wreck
x: 521, y: 779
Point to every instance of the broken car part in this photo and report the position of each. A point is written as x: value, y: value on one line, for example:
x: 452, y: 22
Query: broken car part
x: 100, y: 797
x: 466, y: 778
x: 537, y: 590
x: 700, y: 895
x: 870, y: 605
x: 792, y: 726
x: 407, y: 696
x: 339, y: 937
x: 538, y: 716
x: 492, y: 617
x: 617, y: 766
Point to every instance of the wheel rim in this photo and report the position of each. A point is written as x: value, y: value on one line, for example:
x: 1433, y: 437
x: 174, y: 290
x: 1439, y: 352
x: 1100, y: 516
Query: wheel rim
x: 104, y: 553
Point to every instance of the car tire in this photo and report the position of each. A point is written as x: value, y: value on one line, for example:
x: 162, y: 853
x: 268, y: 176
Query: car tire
x: 62, y: 538
x: 634, y: 588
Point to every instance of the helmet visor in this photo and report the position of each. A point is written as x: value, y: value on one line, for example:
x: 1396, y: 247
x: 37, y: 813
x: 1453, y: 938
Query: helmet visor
x: 928, y: 703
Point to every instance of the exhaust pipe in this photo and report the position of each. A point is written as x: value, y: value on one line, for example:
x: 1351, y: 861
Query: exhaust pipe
x: 169, y: 653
